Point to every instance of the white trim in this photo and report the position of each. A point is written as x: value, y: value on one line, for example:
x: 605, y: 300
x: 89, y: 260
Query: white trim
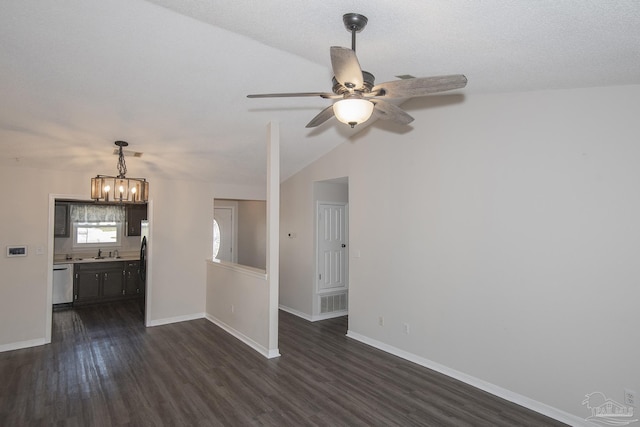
x: 498, y: 391
x: 300, y: 314
x: 269, y: 354
x: 336, y: 291
x: 176, y: 319
x: 243, y: 269
x: 313, y: 318
x: 333, y: 314
x: 22, y: 344
x: 48, y: 313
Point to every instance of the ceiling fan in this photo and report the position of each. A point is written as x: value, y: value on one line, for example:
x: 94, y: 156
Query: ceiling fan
x: 356, y: 91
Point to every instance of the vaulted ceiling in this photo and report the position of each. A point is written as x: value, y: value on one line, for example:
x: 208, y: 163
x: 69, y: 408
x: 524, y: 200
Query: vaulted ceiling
x: 171, y: 76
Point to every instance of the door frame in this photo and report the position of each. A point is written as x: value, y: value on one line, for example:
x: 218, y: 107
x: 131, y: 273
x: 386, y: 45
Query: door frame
x: 50, y: 248
x: 317, y: 290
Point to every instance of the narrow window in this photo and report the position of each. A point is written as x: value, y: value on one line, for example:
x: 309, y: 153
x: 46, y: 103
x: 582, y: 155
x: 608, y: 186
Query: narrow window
x: 216, y: 238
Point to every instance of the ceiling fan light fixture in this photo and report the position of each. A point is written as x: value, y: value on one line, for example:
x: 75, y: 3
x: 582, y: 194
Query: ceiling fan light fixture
x: 353, y: 111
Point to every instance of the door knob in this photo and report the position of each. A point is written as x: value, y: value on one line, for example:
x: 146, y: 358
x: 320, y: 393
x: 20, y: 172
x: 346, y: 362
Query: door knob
x: 344, y: 246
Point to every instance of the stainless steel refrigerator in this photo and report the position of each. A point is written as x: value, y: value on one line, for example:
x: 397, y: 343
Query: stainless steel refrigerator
x: 144, y: 244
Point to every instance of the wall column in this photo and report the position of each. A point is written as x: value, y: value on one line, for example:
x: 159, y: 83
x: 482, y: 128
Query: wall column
x: 273, y: 232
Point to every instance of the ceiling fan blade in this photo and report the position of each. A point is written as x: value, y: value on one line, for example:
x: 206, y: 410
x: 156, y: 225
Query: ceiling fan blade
x: 322, y: 117
x: 346, y: 67
x: 389, y: 111
x: 422, y: 86
x: 325, y: 95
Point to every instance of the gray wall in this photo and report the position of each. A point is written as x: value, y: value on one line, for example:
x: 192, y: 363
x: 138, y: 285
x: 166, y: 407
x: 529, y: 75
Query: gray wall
x: 252, y: 233
x: 504, y: 229
x: 250, y: 230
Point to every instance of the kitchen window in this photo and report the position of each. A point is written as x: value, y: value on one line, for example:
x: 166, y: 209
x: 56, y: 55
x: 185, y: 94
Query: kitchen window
x: 107, y: 233
x: 97, y: 226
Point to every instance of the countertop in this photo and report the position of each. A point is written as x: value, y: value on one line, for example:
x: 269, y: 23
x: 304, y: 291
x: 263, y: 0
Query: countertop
x: 61, y: 259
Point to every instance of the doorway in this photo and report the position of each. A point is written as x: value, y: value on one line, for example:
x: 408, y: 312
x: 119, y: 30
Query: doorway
x: 134, y: 242
x: 332, y: 246
x: 331, y: 283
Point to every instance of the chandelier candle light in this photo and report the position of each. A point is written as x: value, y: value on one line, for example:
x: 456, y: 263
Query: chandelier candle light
x: 120, y: 188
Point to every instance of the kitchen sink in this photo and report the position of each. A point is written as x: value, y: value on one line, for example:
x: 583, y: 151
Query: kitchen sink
x: 97, y: 259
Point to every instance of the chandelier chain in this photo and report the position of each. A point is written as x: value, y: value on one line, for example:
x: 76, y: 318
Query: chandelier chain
x: 122, y: 166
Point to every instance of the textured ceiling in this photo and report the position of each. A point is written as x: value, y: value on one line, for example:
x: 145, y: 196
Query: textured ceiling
x: 171, y: 76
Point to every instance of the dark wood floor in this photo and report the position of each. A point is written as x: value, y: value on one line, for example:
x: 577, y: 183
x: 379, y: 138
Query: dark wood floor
x: 104, y: 368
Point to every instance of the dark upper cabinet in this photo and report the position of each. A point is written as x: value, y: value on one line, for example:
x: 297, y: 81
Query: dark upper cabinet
x: 61, y: 220
x: 135, y: 214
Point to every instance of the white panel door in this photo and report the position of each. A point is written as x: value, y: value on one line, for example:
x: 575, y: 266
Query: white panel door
x: 332, y: 246
x: 223, y: 236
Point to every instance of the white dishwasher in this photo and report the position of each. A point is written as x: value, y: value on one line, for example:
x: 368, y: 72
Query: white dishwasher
x: 62, y: 283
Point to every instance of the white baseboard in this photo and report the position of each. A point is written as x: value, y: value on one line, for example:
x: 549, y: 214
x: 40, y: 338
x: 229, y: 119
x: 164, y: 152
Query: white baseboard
x: 305, y: 316
x: 313, y: 318
x: 268, y: 353
x: 503, y: 393
x: 168, y: 320
x: 22, y: 344
x: 331, y: 315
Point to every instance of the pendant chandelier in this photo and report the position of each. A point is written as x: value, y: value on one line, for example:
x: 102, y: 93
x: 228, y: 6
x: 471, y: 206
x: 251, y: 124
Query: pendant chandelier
x: 120, y: 188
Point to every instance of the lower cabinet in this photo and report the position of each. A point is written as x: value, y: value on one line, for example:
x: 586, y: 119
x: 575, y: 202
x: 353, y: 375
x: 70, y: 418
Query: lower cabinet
x: 86, y: 285
x: 105, y: 282
x: 132, y: 282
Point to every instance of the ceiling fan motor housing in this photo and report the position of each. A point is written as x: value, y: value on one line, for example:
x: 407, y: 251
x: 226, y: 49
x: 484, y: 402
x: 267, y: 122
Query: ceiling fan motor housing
x: 369, y: 82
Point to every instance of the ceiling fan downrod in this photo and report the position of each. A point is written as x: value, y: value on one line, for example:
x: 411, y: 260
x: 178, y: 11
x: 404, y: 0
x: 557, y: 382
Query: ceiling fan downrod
x: 354, y: 23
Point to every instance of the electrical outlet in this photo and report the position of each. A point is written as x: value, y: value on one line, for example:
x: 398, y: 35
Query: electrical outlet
x: 630, y: 397
x: 405, y: 327
x: 380, y: 321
